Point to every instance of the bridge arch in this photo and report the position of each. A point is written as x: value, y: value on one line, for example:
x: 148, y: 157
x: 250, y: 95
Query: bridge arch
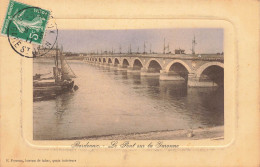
x: 167, y: 69
x: 109, y: 60
x: 116, y: 61
x: 212, y: 71
x: 104, y: 60
x: 178, y: 69
x: 125, y: 63
x: 153, y: 65
x: 99, y: 59
x: 137, y: 64
x: 207, y: 65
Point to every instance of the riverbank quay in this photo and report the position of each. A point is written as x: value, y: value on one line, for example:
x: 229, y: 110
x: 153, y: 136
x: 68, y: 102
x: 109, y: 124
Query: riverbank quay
x: 212, y: 133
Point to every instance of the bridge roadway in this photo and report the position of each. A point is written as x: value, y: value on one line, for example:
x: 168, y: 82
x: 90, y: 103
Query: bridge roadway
x: 205, y: 70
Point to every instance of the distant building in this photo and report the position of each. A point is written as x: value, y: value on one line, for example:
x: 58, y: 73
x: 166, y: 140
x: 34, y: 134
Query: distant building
x: 46, y: 53
x: 52, y: 52
x: 179, y: 51
x: 69, y: 54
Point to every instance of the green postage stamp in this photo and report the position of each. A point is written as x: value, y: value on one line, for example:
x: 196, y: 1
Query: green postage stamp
x: 25, y: 22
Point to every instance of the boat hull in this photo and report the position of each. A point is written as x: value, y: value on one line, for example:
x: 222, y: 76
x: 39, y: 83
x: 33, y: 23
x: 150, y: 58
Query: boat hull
x: 50, y: 90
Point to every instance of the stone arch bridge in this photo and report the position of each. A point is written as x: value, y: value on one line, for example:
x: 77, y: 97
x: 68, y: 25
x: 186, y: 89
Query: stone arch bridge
x: 196, y: 70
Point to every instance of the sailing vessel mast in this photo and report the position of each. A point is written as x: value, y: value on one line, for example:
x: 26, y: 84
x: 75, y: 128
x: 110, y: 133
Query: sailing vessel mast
x: 144, y: 47
x: 193, y: 45
x: 62, y: 64
x: 164, y: 46
x: 56, y: 68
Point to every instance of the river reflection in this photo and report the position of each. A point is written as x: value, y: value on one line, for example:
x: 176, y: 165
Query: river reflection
x: 111, y: 101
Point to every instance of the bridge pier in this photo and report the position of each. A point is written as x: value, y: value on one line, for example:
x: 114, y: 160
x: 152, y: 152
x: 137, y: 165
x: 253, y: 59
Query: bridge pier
x: 100, y: 64
x: 164, y: 76
x: 145, y: 72
x: 117, y: 67
x: 132, y: 70
x: 104, y: 65
x: 120, y: 67
x: 194, y: 81
x: 112, y: 66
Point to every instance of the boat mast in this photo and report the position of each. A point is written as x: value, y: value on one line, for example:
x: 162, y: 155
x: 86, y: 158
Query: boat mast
x: 193, y: 46
x: 144, y: 47
x: 62, y: 63
x: 164, y: 46
x: 56, y: 68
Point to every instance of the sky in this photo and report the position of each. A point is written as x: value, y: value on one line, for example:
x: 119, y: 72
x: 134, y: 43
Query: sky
x: 209, y: 40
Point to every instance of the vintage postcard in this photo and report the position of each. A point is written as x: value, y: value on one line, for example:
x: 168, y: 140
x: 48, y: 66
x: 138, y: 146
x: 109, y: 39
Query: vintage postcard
x: 125, y: 83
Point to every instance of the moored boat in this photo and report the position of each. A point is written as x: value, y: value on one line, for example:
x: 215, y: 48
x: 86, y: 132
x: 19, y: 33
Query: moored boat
x: 61, y: 82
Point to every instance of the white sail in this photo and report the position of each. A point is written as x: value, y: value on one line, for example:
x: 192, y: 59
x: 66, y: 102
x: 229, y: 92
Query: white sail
x: 66, y: 71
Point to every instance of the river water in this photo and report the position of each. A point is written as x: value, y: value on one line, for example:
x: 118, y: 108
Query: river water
x: 109, y: 101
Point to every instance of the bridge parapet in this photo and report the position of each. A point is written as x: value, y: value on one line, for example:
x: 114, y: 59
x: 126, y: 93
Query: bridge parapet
x: 205, y: 57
